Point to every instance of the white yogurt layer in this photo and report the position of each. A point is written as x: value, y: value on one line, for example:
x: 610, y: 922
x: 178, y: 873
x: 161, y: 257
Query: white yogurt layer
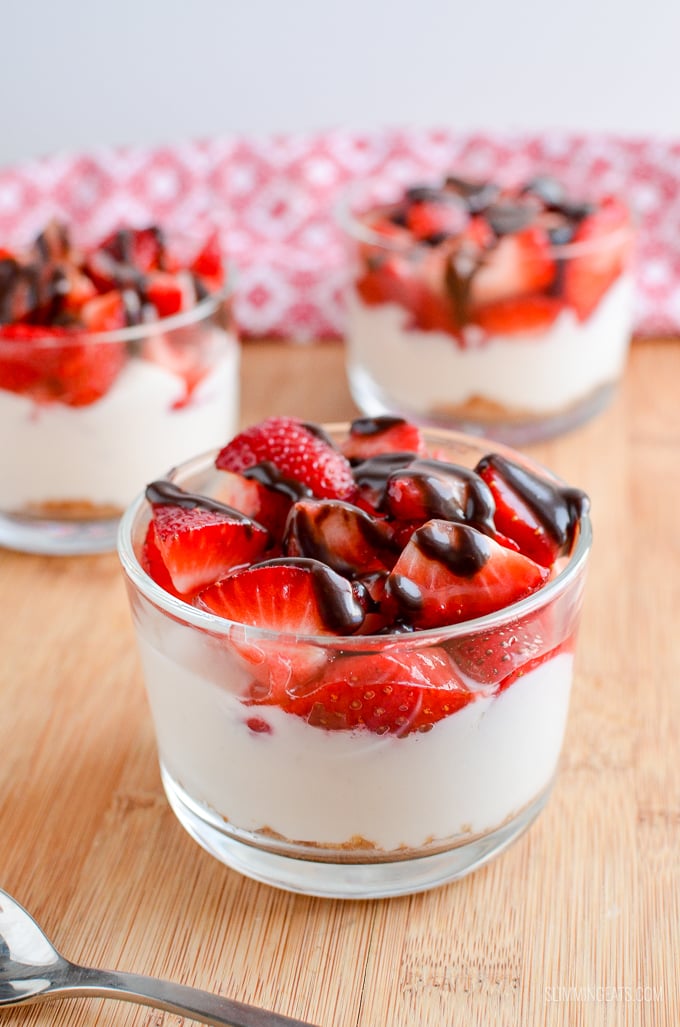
x: 470, y: 773
x: 106, y: 452
x: 536, y: 373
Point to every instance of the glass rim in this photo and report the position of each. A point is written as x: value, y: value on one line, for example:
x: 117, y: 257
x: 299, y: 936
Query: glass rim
x: 209, y: 305
x: 216, y: 625
x: 351, y: 223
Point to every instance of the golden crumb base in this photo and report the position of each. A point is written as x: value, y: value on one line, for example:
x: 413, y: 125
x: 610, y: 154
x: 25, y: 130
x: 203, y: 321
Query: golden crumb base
x: 72, y: 510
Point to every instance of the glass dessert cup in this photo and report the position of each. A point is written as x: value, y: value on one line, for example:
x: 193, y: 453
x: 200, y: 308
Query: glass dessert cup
x: 308, y: 806
x: 513, y: 365
x: 148, y: 395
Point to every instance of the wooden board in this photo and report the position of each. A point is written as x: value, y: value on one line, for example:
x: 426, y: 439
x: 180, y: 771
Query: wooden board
x: 577, y: 925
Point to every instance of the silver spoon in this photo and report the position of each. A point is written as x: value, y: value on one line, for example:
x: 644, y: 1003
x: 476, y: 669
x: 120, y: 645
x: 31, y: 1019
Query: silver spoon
x: 31, y: 969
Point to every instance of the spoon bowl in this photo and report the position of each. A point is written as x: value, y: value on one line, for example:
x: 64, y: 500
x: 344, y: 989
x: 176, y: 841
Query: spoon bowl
x: 32, y: 969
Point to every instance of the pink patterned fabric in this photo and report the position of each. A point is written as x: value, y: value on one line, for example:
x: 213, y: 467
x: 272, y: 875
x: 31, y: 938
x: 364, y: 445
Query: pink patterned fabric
x: 272, y: 201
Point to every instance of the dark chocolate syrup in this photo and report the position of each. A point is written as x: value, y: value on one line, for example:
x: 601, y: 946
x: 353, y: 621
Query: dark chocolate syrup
x: 341, y: 610
x: 449, y: 491
x: 164, y: 493
x: 458, y: 547
x: 305, y: 531
x: 375, y: 426
x: 374, y: 472
x: 268, y: 474
x: 558, y: 508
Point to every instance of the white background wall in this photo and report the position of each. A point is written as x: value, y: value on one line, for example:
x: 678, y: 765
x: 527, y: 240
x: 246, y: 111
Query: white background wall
x: 78, y: 73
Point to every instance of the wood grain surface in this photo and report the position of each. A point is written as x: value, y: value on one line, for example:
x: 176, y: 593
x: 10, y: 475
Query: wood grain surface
x: 577, y: 925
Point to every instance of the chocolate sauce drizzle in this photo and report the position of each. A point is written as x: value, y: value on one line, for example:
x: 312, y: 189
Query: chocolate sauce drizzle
x: 449, y: 491
x: 339, y: 603
x: 558, y: 508
x: 163, y: 493
x: 305, y: 532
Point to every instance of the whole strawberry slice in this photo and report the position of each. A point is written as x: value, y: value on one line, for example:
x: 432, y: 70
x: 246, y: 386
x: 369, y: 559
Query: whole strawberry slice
x: 539, y: 515
x: 200, y: 540
x: 451, y: 572
x: 300, y: 451
x: 384, y: 692
x: 371, y: 436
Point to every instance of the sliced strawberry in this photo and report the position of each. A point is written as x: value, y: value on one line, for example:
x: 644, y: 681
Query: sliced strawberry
x: 167, y: 293
x: 602, y: 245
x: 340, y: 535
x: 141, y: 248
x: 451, y: 572
x: 200, y: 541
x: 436, y: 218
x: 534, y: 313
x: 300, y: 451
x: 489, y: 657
x: 388, y: 279
x: 567, y: 646
x: 520, y: 263
x: 55, y: 365
x: 428, y: 489
x: 152, y: 562
x: 208, y: 264
x: 388, y: 692
x: 539, y: 515
x: 104, y: 313
x: 371, y: 436
x: 292, y: 596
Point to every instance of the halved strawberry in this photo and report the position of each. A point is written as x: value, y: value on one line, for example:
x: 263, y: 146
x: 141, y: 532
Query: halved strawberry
x: 200, y: 541
x: 451, y: 572
x: 395, y: 692
x: 371, y: 436
x: 340, y: 535
x: 300, y: 451
x: 534, y: 313
x: 520, y: 263
x: 142, y: 248
x: 602, y: 245
x: 538, y: 514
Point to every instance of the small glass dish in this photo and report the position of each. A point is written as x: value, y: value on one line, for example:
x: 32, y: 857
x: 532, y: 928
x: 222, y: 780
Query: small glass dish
x: 147, y: 395
x: 505, y: 331
x: 357, y: 812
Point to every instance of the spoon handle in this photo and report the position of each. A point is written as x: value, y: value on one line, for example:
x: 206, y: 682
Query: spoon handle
x: 173, y: 998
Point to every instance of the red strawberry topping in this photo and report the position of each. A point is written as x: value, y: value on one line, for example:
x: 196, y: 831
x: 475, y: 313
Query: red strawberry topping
x: 298, y: 450
x: 293, y: 596
x: 371, y: 436
x: 340, y: 535
x: 602, y: 245
x: 539, y: 515
x: 199, y: 541
x: 451, y: 572
x: 389, y: 692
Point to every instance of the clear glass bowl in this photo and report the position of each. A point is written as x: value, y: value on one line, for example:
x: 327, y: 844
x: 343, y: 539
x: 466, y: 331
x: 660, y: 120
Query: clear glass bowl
x: 355, y: 813
x: 516, y: 372
x: 147, y: 396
